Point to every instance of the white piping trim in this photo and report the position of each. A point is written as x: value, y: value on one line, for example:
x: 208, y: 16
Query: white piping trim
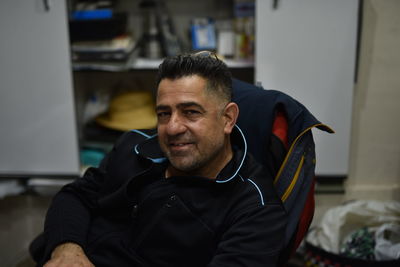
x: 241, y: 163
x: 158, y: 160
x: 143, y: 134
x: 259, y: 191
x: 135, y: 149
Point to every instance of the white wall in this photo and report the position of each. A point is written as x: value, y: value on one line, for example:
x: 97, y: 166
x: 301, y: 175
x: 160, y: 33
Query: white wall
x: 375, y: 142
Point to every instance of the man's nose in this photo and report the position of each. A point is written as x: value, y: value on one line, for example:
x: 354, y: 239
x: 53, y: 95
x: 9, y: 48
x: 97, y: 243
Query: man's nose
x: 175, y: 125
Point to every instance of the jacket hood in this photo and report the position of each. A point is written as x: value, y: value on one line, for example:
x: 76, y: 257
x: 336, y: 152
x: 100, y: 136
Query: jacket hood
x: 150, y: 149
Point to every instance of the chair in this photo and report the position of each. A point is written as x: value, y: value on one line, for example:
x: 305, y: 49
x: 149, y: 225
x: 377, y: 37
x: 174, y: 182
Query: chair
x: 278, y: 133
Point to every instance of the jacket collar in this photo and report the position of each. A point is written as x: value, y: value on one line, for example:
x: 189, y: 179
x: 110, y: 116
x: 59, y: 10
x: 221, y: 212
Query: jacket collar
x: 150, y: 150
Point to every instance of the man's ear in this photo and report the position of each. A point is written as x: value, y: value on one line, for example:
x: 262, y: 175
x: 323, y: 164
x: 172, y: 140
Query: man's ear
x: 231, y: 113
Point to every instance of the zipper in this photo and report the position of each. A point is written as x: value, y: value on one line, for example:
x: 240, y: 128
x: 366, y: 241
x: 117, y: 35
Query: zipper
x: 294, y: 180
x: 292, y: 148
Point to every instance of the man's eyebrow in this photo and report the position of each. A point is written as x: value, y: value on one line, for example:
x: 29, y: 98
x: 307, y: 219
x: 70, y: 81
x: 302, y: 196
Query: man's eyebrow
x: 161, y: 107
x: 181, y: 105
x: 191, y: 104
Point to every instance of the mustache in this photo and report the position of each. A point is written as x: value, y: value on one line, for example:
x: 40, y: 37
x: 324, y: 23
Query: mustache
x: 180, y: 139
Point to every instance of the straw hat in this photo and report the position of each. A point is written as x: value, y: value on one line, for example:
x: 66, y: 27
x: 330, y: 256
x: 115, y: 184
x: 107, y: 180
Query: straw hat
x: 129, y: 110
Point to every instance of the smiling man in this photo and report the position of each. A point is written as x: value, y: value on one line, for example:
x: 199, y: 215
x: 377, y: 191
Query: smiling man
x: 188, y: 194
x: 194, y: 126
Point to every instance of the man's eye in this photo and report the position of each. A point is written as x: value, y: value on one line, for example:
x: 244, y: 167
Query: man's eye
x: 191, y: 112
x: 162, y: 114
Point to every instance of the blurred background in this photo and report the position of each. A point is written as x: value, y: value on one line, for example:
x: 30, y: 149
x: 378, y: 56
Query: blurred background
x: 76, y: 74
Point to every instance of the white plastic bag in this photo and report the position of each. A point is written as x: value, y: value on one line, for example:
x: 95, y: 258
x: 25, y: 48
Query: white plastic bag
x: 387, y: 238
x: 339, y: 222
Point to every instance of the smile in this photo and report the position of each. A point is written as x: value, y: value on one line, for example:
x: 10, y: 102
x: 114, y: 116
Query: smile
x: 180, y: 146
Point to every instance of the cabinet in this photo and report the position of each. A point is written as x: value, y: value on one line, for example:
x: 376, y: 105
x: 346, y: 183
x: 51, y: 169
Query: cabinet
x: 38, y: 133
x: 141, y: 74
x: 140, y: 77
x: 307, y: 49
x: 42, y: 100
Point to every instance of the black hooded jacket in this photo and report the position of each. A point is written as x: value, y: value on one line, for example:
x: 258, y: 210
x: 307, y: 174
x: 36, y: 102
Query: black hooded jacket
x: 125, y: 213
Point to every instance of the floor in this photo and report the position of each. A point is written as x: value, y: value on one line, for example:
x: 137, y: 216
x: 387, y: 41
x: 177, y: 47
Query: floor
x: 21, y: 220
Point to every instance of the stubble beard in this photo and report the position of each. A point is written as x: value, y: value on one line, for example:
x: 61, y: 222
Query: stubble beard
x: 191, y: 162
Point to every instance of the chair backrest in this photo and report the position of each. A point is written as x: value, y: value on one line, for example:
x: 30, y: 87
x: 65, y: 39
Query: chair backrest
x: 278, y: 133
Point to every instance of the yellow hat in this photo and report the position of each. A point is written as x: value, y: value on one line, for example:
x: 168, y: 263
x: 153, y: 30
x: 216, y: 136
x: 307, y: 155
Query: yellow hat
x: 130, y: 110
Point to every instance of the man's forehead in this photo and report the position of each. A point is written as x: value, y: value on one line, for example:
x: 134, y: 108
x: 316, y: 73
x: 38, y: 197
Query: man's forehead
x: 185, y: 87
x: 187, y: 81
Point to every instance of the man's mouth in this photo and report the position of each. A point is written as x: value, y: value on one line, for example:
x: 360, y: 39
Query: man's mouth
x: 180, y: 145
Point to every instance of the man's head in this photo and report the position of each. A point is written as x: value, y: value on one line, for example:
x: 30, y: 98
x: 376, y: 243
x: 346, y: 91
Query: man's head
x: 195, y: 114
x: 204, y: 64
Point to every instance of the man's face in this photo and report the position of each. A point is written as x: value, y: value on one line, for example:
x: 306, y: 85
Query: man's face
x: 191, y: 126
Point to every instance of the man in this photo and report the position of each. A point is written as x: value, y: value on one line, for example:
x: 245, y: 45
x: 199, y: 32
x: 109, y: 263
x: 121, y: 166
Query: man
x: 188, y: 195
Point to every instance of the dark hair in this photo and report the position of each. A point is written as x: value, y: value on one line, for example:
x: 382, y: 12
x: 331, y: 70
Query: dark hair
x: 205, y: 65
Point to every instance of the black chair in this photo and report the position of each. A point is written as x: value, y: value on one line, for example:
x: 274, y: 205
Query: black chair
x: 278, y: 133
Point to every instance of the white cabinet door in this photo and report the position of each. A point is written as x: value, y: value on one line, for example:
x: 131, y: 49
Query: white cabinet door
x: 38, y: 134
x: 307, y: 48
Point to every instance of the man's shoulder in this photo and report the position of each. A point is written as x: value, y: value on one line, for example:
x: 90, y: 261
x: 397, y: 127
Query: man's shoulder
x: 133, y: 137
x: 259, y: 181
x: 124, y: 152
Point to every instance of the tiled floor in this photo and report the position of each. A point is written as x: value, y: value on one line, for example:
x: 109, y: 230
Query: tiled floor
x: 21, y: 219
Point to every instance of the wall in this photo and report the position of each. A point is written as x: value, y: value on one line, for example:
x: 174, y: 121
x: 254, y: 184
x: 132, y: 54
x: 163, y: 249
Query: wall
x: 375, y: 145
